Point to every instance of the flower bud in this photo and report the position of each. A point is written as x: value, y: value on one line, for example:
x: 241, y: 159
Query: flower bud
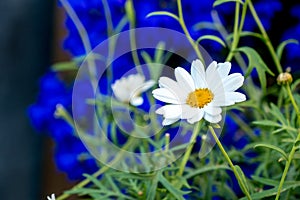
x: 284, y: 78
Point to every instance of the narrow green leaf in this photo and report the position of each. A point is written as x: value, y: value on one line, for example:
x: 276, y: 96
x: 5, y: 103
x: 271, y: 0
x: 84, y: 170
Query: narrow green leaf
x: 162, y: 13
x: 219, y: 2
x: 159, y: 51
x: 277, y: 114
x: 146, y: 57
x: 121, y: 25
x: 151, y: 189
x: 206, y: 169
x: 272, y: 192
x: 282, y: 45
x: 94, y: 180
x: 295, y: 84
x: 267, y: 123
x: 243, y: 178
x: 130, y: 12
x: 178, y: 194
x: 64, y: 66
x: 204, y: 25
x: 211, y: 37
x: 273, y: 147
x: 245, y: 34
x: 265, y: 181
x: 256, y: 61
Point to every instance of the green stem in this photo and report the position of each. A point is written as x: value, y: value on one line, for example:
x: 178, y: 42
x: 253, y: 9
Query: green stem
x: 111, y: 42
x: 287, y: 166
x: 243, y: 187
x: 265, y: 36
x: 83, y: 183
x: 85, y: 41
x: 189, y: 148
x: 236, y: 32
x: 186, y: 32
x: 293, y: 101
x: 131, y: 17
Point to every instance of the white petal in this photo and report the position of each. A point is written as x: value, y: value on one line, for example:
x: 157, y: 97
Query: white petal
x: 212, y: 118
x: 167, y: 122
x: 212, y: 110
x: 224, y: 69
x: 165, y: 82
x: 136, y: 101
x: 197, y: 117
x: 166, y: 95
x: 170, y: 111
x: 228, y: 99
x: 233, y: 82
x: 184, y: 79
x: 147, y: 85
x: 212, y: 75
x: 198, y: 74
x: 188, y: 111
x: 235, y: 97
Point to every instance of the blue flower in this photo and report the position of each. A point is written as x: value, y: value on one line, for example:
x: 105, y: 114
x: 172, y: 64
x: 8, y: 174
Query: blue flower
x: 72, y: 157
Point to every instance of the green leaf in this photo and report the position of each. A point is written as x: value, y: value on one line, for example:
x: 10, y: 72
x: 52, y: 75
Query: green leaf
x: 93, y: 180
x: 151, y: 188
x: 178, y: 194
x: 243, y: 180
x: 265, y: 181
x: 162, y: 13
x: 273, y: 147
x: 64, y: 66
x: 245, y: 34
x: 211, y: 37
x: 272, y: 192
x: 159, y: 52
x: 267, y: 123
x: 130, y: 11
x: 219, y: 2
x: 206, y: 169
x: 282, y: 45
x: 277, y: 114
x: 204, y: 25
x: 256, y: 61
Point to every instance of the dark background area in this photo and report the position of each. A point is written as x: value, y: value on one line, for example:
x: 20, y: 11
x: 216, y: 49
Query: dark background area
x: 25, y: 46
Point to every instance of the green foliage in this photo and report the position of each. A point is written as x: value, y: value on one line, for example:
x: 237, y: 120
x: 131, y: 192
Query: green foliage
x: 255, y: 61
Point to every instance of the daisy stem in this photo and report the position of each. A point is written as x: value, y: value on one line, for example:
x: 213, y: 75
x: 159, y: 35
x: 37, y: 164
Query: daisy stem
x: 293, y: 101
x: 287, y: 165
x: 131, y: 16
x: 187, y: 33
x: 233, y: 168
x: 265, y: 36
x: 85, y: 41
x: 86, y: 181
x: 189, y: 148
x: 236, y: 32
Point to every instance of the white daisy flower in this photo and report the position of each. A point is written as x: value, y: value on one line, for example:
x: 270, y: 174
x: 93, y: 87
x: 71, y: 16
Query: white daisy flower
x: 128, y: 89
x: 51, y: 198
x: 199, y: 94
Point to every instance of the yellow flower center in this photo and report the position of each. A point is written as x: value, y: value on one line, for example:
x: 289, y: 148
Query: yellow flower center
x: 199, y: 98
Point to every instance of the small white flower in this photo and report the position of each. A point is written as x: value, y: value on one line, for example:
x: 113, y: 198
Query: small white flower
x: 128, y: 89
x: 199, y: 94
x: 51, y: 198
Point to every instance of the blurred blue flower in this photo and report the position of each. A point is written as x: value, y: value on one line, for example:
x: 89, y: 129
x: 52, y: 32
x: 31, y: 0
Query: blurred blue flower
x: 54, y: 91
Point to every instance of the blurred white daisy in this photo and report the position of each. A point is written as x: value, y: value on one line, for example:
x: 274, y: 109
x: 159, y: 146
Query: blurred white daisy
x: 199, y: 94
x: 128, y: 89
x: 51, y: 198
